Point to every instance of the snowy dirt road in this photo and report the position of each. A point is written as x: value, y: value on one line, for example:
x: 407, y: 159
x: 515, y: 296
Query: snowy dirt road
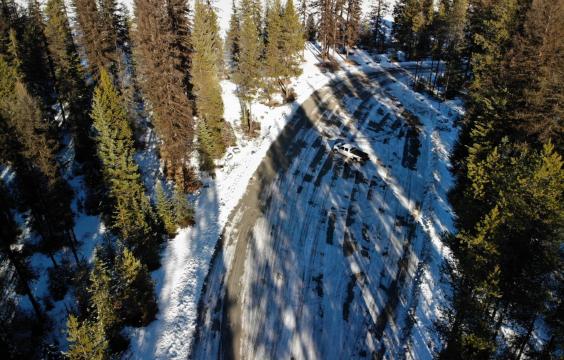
x: 325, y: 259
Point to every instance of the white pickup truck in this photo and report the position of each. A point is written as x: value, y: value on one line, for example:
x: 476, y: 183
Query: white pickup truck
x: 348, y: 151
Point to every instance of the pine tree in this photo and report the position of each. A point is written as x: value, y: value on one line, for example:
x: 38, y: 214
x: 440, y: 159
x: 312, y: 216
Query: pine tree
x: 455, y: 23
x: 408, y: 22
x: 351, y: 24
x: 218, y: 45
x: 233, y: 33
x: 31, y: 152
x: 535, y: 72
x: 165, y: 210
x: 183, y: 211
x: 72, y: 89
x: 273, y: 62
x: 162, y: 73
x: 96, y: 34
x: 327, y: 31
x: 379, y: 7
x: 248, y: 72
x: 86, y: 340
x: 133, y: 216
x: 138, y: 305
x: 9, y: 233
x: 209, y: 104
x: 103, y: 296
x: 284, y: 46
x: 180, y: 31
x: 293, y: 40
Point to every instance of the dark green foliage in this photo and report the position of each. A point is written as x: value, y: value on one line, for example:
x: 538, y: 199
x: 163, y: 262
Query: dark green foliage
x: 35, y: 62
x: 248, y: 73
x: 284, y: 47
x: 60, y: 278
x: 510, y: 188
x: 205, y: 69
x: 9, y: 233
x: 137, y: 303
x: 183, y: 211
x: 121, y: 292
x: 174, y: 210
x: 413, y: 22
x: 31, y: 151
x: 132, y: 217
x: 233, y: 34
x: 86, y: 340
x: 72, y: 91
x: 165, y: 210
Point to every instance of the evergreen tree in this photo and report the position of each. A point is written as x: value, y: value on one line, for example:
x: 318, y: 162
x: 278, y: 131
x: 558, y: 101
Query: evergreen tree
x: 379, y: 7
x: 72, y: 89
x: 233, y: 33
x: 409, y: 21
x: 37, y: 66
x: 180, y: 33
x: 327, y: 31
x: 455, y: 23
x: 351, y: 24
x: 9, y: 233
x: 183, y: 211
x: 535, y: 74
x: 86, y: 341
x: 31, y: 151
x: 248, y: 72
x: 133, y: 216
x: 96, y: 21
x: 103, y: 296
x: 165, y: 210
x: 293, y: 40
x: 121, y: 293
x: 218, y: 45
x: 209, y: 104
x: 273, y: 63
x: 284, y: 46
x: 163, y: 81
x: 138, y: 304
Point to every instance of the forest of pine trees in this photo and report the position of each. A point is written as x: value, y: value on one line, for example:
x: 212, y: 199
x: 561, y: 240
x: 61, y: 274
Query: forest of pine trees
x: 79, y: 77
x: 85, y: 78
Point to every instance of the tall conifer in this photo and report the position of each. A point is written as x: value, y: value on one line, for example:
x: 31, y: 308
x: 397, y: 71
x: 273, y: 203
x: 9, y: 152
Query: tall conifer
x: 209, y: 104
x: 163, y: 81
x: 133, y: 216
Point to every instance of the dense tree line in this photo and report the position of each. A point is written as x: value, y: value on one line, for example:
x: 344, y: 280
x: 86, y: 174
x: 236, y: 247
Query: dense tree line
x: 508, y: 198
x: 78, y: 86
x: 265, y: 51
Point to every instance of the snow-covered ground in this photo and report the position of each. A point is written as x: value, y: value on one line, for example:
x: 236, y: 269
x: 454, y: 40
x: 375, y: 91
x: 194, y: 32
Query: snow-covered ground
x: 325, y: 260
x: 186, y: 258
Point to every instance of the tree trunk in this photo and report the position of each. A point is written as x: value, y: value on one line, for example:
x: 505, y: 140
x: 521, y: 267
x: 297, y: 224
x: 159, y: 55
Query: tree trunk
x: 72, y: 245
x: 437, y: 69
x: 417, y: 72
x: 23, y: 278
x: 55, y: 265
x: 526, y: 339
